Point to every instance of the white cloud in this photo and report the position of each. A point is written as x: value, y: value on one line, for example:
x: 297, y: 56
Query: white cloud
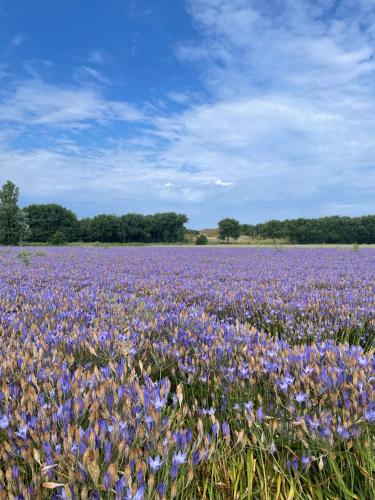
x: 86, y: 73
x: 219, y: 182
x: 97, y: 176
x: 293, y: 99
x: 34, y: 102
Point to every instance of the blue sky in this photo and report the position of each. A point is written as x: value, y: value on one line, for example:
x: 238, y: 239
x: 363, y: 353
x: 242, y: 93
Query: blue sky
x: 255, y: 109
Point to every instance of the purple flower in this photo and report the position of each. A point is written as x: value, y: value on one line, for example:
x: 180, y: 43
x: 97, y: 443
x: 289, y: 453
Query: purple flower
x: 174, y: 471
x: 195, y: 458
x: 307, y: 370
x: 260, y: 414
x: 286, y: 382
x: 342, y: 432
x: 107, y: 452
x: 161, y: 488
x: 120, y: 486
x: 180, y: 439
x: 283, y: 386
x: 179, y: 458
x: 155, y: 463
x: 4, y: 422
x: 225, y: 428
x: 211, y: 411
x: 312, y: 424
x: 301, y: 397
x: 292, y: 464
x: 306, y: 461
x: 249, y: 405
x: 215, y: 429
x: 15, y: 472
x: 139, y: 494
x: 22, y: 432
x: 158, y: 403
x: 107, y: 481
x: 370, y: 415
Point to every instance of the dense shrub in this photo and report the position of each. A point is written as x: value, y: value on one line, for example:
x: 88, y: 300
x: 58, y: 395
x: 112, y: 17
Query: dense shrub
x: 201, y: 240
x: 58, y: 238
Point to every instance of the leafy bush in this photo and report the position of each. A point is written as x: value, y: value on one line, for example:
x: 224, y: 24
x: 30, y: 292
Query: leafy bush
x: 58, y: 238
x: 201, y: 240
x: 25, y: 257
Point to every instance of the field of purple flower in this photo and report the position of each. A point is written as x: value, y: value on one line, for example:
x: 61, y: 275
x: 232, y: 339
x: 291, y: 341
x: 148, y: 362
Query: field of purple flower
x: 187, y: 373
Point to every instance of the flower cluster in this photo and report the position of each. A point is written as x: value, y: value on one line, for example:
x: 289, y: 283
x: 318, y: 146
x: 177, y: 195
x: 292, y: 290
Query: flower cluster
x: 126, y: 372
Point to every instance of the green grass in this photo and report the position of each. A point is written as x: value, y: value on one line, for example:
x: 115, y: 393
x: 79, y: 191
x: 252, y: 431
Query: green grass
x: 243, y: 467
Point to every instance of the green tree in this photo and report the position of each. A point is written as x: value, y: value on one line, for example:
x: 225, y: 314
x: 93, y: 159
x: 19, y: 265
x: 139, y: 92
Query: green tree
x: 84, y: 228
x: 135, y: 228
x: 105, y: 228
x: 248, y: 230
x: 163, y: 227
x: 229, y: 228
x: 46, y: 219
x: 58, y: 238
x: 168, y: 227
x: 274, y: 229
x: 201, y: 240
x: 14, y: 228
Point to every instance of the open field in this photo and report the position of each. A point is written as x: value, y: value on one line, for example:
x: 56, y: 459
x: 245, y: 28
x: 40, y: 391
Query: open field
x: 212, y: 243
x: 161, y: 372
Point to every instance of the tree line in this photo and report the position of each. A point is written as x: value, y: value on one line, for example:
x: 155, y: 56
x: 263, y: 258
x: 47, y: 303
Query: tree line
x: 55, y: 224
x: 334, y: 229
x: 52, y: 221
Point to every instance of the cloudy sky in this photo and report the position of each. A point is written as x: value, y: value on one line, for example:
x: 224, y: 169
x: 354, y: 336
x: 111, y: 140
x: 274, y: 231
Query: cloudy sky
x: 255, y: 109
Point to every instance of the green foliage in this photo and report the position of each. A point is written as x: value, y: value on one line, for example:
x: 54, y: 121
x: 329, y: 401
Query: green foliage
x: 201, y: 240
x: 45, y: 220
x: 14, y: 228
x: 274, y: 229
x: 134, y: 228
x: 39, y: 253
x: 251, y: 472
x: 58, y: 238
x: 168, y: 227
x: 105, y: 228
x: 334, y: 230
x: 25, y: 257
x: 248, y: 230
x: 84, y: 227
x: 9, y: 194
x: 229, y: 228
